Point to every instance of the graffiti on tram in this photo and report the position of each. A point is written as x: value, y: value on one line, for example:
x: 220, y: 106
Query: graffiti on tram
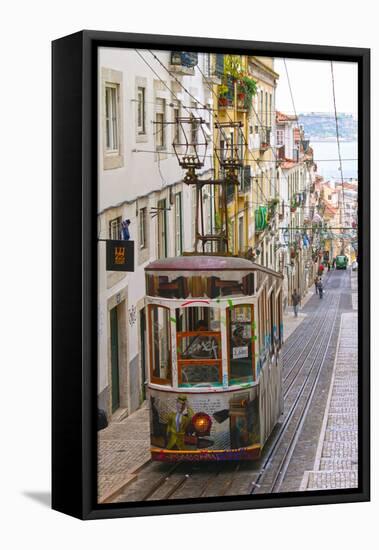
x: 219, y: 421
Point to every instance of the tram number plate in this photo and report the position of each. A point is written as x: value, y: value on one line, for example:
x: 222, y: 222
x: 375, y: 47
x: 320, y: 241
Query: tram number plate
x: 240, y: 352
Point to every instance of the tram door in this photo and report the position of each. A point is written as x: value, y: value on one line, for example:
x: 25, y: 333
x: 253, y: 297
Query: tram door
x: 143, y: 343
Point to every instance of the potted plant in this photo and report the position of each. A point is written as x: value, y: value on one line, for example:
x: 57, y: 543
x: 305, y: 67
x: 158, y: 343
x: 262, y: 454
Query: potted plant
x: 222, y: 95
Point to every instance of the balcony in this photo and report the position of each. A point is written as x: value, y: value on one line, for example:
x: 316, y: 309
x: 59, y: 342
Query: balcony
x: 265, y: 139
x: 242, y: 103
x: 260, y: 219
x: 213, y: 68
x: 245, y: 179
x: 184, y: 63
x: 226, y: 94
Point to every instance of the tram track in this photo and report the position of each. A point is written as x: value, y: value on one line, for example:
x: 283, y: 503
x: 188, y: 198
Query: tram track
x: 290, y: 353
x: 278, y: 457
x: 301, y: 360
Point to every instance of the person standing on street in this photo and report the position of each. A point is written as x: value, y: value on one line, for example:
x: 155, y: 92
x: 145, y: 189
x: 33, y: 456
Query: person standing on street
x: 320, y: 289
x: 125, y: 233
x: 295, y: 302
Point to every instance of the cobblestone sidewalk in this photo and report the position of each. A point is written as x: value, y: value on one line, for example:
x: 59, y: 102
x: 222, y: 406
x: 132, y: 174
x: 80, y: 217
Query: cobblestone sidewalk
x: 122, y: 449
x: 336, y: 463
x: 290, y: 322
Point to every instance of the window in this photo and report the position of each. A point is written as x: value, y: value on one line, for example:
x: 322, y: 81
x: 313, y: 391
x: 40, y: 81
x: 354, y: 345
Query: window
x: 115, y: 229
x: 198, y: 347
x: 279, y: 138
x: 141, y: 110
x: 271, y: 322
x: 162, y: 229
x: 241, y: 344
x: 241, y: 239
x: 194, y: 126
x: 232, y: 233
x: 143, y: 228
x: 176, y: 125
x: 160, y: 122
x: 193, y: 204
x: 112, y: 121
x: 178, y: 225
x: 270, y: 111
x: 262, y: 323
x: 160, y: 344
x: 111, y: 118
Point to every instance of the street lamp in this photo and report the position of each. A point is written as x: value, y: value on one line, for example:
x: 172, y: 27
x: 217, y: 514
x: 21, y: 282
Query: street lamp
x: 191, y: 153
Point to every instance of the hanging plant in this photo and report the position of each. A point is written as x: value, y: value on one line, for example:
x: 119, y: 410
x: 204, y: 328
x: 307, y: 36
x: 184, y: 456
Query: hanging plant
x: 250, y: 87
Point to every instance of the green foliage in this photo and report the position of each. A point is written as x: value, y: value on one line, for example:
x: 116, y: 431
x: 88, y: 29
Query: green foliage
x: 222, y: 90
x: 249, y: 85
x: 233, y: 66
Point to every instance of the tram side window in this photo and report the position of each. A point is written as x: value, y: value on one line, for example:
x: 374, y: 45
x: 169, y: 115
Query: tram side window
x: 241, y: 337
x: 160, y: 344
x: 199, y: 347
x: 262, y: 324
x: 272, y: 322
x: 279, y: 328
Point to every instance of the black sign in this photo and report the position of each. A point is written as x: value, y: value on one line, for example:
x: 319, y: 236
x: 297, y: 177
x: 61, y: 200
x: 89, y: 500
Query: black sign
x: 120, y: 255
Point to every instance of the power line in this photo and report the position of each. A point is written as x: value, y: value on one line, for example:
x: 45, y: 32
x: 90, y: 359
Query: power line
x: 337, y: 130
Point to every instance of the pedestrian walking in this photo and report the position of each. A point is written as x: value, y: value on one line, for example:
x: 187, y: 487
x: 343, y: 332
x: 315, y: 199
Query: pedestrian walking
x: 320, y: 289
x: 316, y: 284
x: 295, y: 302
x: 320, y: 269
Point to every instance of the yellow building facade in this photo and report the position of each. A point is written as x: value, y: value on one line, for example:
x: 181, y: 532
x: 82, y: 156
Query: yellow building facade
x: 245, y: 124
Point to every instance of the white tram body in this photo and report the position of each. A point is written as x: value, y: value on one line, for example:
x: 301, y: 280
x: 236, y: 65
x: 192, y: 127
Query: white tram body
x: 215, y: 335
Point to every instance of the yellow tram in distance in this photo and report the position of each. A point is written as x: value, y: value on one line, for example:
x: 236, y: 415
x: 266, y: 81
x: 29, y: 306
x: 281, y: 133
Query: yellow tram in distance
x: 215, y: 335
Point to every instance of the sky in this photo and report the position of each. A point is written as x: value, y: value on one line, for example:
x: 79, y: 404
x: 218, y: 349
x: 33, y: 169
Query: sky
x: 311, y: 85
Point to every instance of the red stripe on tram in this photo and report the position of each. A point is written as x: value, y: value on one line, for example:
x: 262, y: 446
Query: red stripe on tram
x: 194, y: 301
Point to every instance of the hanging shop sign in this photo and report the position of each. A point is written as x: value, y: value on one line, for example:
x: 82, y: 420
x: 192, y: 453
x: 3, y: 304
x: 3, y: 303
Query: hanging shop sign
x: 120, y: 255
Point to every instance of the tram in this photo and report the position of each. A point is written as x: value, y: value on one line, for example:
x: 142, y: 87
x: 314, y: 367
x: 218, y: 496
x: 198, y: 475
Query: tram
x: 341, y: 262
x: 215, y: 334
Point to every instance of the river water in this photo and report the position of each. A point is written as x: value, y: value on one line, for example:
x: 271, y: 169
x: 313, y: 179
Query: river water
x: 326, y: 158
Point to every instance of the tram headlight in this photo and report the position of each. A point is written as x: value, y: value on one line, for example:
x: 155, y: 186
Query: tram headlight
x: 201, y: 423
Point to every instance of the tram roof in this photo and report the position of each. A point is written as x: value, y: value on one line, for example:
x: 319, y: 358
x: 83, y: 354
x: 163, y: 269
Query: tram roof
x: 207, y: 263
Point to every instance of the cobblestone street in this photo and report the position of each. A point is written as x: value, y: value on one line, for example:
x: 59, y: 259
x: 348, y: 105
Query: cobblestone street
x: 122, y: 448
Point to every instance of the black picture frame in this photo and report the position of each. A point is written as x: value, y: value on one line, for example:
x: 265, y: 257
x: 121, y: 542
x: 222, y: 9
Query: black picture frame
x: 74, y: 272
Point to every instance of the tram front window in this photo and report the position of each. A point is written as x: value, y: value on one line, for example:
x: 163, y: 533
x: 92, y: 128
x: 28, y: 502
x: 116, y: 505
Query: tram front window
x: 241, y: 344
x: 159, y: 318
x: 199, y: 347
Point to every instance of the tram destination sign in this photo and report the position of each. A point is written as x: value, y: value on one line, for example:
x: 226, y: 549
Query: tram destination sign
x: 120, y: 255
